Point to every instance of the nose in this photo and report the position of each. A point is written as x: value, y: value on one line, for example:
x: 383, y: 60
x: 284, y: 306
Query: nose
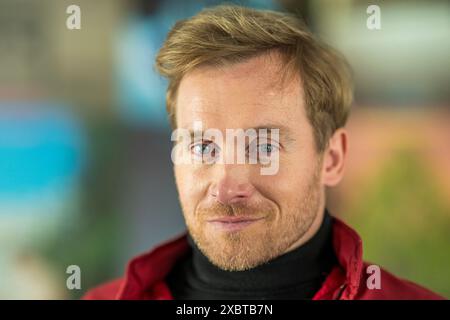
x: 232, y: 187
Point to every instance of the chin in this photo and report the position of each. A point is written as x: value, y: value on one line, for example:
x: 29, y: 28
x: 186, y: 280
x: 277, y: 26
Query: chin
x: 237, y: 251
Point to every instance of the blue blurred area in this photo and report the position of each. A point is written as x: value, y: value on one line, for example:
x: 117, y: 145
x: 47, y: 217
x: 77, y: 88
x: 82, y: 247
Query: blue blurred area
x: 42, y: 147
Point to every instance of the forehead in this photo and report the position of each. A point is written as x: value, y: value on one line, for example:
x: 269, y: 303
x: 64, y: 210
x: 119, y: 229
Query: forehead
x: 241, y: 95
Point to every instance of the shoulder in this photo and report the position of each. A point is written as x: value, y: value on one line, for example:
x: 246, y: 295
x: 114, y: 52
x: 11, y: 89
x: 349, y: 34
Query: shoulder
x: 105, y: 291
x: 393, y: 288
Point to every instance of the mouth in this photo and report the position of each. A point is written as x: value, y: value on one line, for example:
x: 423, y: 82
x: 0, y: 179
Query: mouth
x: 233, y: 223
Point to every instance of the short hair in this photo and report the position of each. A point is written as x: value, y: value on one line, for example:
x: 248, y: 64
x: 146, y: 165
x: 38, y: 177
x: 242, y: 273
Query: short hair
x: 232, y: 34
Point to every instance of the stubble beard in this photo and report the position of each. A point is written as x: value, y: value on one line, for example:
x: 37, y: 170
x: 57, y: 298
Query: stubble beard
x: 258, y: 243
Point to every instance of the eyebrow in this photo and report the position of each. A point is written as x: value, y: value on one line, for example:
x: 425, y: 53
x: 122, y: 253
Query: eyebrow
x: 285, y: 133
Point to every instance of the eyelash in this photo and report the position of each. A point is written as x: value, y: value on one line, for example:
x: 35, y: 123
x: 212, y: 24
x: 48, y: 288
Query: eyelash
x: 208, y: 143
x: 202, y: 144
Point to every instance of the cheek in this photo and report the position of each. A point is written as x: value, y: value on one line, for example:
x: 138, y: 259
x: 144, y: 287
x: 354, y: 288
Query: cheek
x: 183, y: 182
x: 290, y: 183
x: 188, y: 186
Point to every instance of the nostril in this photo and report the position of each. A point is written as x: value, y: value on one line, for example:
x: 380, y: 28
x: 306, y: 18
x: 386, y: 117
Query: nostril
x: 230, y: 191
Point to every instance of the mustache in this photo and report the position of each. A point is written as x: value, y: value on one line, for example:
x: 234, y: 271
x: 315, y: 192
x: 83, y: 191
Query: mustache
x: 231, y: 210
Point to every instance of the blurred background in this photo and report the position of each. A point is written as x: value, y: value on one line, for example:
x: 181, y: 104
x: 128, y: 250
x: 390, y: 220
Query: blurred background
x: 85, y: 170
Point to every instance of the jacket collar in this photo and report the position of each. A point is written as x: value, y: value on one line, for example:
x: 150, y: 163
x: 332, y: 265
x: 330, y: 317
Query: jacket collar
x: 145, y: 275
x: 345, y: 279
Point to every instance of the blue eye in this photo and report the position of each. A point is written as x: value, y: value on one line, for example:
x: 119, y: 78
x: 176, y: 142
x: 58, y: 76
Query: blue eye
x: 266, y: 148
x: 262, y: 152
x: 202, y: 149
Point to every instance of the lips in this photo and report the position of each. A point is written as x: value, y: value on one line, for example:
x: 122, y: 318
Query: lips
x: 232, y: 219
x: 233, y: 223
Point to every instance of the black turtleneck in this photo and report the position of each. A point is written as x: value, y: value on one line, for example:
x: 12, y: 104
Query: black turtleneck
x: 297, y: 274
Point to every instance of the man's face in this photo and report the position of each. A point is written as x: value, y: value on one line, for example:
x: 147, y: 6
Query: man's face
x: 238, y: 217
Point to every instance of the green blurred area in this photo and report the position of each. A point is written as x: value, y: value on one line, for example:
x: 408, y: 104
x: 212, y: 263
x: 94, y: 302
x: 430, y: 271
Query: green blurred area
x: 404, y: 220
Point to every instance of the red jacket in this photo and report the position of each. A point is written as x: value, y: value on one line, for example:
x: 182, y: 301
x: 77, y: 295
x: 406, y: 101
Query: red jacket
x: 145, y: 274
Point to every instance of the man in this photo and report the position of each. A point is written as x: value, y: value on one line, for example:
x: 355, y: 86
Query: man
x: 256, y: 235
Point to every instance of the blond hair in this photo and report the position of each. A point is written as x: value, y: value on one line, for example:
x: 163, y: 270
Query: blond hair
x: 232, y: 34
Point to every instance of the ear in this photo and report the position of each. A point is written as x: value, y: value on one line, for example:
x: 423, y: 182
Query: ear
x: 334, y: 158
